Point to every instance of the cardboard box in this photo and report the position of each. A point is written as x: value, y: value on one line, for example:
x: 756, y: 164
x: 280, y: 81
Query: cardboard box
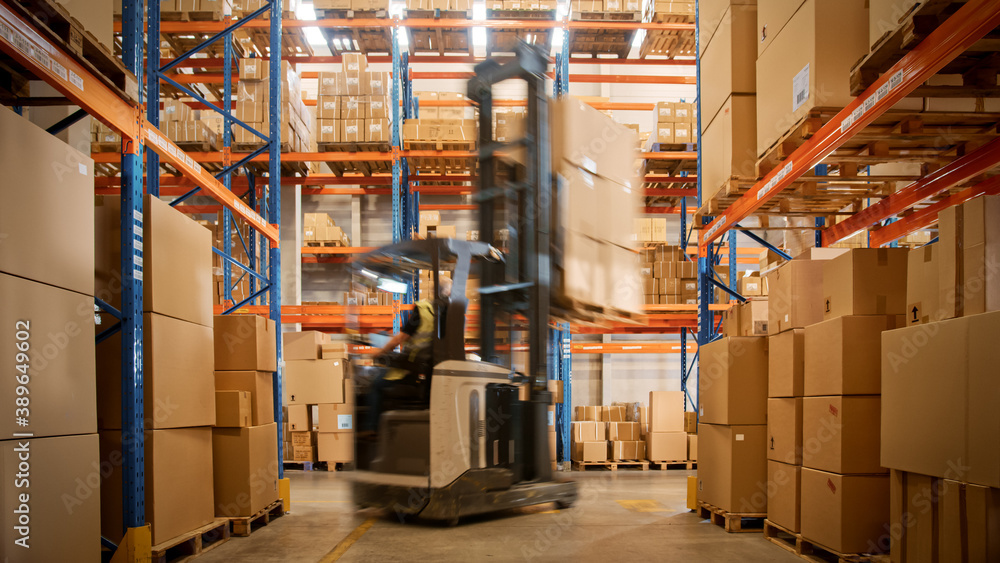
x: 612, y: 414
x: 710, y: 16
x: 981, y: 255
x: 692, y: 447
x: 795, y: 295
x: 922, y: 290
x: 691, y: 422
x: 378, y: 130
x: 232, y: 409
x: 335, y: 447
x: 590, y: 451
x: 56, y: 329
x: 841, y: 434
x: 728, y: 60
x: 55, y: 217
x: 336, y: 417
x: 771, y: 19
x: 625, y: 450
x: 732, y: 471
x: 732, y: 388
x: 587, y: 413
x: 786, y: 363
x: 666, y: 446
x: 352, y: 130
x: 302, y: 438
x: 666, y: 411
x: 784, y: 500
x: 300, y: 453
x: 842, y: 355
x: 178, y: 386
x: 246, y: 469
x: 865, y: 281
x: 305, y: 345
x: 924, y: 429
x: 55, y: 513
x: 587, y: 431
x: 664, y: 135
x: 245, y: 343
x: 968, y: 516
x: 177, y: 264
x: 297, y: 418
x: 311, y: 382
x: 353, y: 107
x: 784, y: 430
x: 753, y: 317
x: 259, y: 384
x: 846, y: 513
x: 622, y: 431
x: 355, y: 62
x: 328, y: 107
x: 806, y: 63
x: 330, y: 84
x: 664, y: 112
x: 333, y: 351
x: 328, y: 131
x: 380, y: 107
x: 573, y: 124
x: 751, y: 286
x: 179, y: 496
x: 684, y: 132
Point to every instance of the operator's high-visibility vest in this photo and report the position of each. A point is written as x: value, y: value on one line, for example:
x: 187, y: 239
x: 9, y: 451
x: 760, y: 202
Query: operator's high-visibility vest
x: 421, y: 340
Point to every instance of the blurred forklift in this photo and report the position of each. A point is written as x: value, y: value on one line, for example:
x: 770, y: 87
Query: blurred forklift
x: 473, y: 437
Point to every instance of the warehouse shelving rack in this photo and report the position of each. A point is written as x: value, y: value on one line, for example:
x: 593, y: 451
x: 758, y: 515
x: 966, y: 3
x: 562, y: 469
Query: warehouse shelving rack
x: 42, y: 55
x: 973, y: 21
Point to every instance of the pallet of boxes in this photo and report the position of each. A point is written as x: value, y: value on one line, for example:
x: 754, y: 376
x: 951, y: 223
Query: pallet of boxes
x: 669, y: 443
x: 604, y: 41
x: 939, y: 423
x: 245, y: 437
x: 828, y: 490
x: 239, y: 280
x: 318, y: 401
x: 675, y: 123
x: 670, y: 43
x: 252, y: 99
x: 178, y: 364
x: 451, y: 128
x: 506, y: 40
x: 185, y: 127
x: 667, y: 277
x: 319, y: 229
x: 431, y: 227
x: 47, y: 291
x: 603, y: 438
x: 353, y: 110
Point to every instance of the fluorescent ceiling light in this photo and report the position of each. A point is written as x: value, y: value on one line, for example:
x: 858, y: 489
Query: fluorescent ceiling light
x: 391, y: 286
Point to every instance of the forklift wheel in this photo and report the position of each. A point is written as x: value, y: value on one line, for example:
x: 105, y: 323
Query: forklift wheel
x: 452, y: 522
x: 564, y: 504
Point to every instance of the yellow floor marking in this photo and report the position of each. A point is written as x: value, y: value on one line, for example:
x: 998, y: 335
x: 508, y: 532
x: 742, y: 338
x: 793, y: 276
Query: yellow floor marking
x: 347, y: 542
x: 645, y: 505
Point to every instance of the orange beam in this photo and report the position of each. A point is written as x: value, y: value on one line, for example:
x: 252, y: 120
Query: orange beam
x: 336, y: 249
x: 630, y: 347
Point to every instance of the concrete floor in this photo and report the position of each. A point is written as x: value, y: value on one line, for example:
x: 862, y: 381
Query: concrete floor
x: 601, y: 526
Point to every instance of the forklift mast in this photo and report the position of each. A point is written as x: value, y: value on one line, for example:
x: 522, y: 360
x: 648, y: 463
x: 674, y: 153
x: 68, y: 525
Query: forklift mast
x: 519, y: 203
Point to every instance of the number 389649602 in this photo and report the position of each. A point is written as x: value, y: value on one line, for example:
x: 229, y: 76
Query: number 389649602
x: 22, y: 334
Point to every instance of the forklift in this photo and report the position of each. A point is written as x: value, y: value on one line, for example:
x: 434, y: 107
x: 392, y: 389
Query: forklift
x: 471, y: 437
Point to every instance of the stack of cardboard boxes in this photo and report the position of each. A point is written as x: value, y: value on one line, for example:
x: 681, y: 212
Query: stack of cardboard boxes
x: 47, y: 288
x: 178, y: 365
x: 522, y: 5
x: 675, y: 122
x: 667, y: 277
x: 616, y: 6
x: 667, y: 439
x: 732, y: 418
x: 239, y: 233
x: 353, y: 105
x: 864, y: 292
x: 607, y: 433
x: 596, y: 199
x: 729, y: 122
x: 939, y: 395
x: 212, y: 10
x: 508, y: 123
x: 320, y: 228
x: 748, y: 318
x: 443, y: 5
x: 353, y: 5
x: 318, y: 399
x: 252, y: 107
x: 184, y: 126
x: 245, y: 437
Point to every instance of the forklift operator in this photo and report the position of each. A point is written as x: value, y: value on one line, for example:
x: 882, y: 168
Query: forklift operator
x: 416, y: 338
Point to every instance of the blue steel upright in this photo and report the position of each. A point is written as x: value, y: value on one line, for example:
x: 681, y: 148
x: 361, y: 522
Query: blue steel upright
x: 397, y: 169
x: 152, y: 92
x: 273, y: 196
x: 132, y: 408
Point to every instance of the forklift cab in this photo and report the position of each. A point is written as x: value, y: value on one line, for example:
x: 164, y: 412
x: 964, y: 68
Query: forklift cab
x: 468, y: 445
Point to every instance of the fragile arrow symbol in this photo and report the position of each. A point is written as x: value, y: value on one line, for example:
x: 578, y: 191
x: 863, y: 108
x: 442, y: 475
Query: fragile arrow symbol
x: 914, y: 313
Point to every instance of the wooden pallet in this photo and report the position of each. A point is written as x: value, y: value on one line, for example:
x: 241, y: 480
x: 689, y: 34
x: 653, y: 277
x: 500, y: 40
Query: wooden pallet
x: 641, y: 465
x: 668, y: 44
x: 327, y: 243
x: 55, y: 24
x: 506, y: 40
x: 367, y: 40
x: 437, y: 39
x: 193, y: 543
x: 977, y: 66
x: 664, y: 465
x: 811, y: 551
x: 672, y: 167
x: 597, y: 42
x: 358, y: 165
x: 732, y: 522
x: 243, y: 525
